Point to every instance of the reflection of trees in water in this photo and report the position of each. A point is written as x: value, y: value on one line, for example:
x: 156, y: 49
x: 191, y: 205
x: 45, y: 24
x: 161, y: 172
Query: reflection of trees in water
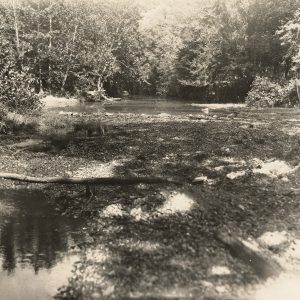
x: 33, y: 236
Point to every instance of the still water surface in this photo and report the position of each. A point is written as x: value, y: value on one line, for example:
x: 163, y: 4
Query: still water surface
x: 141, y: 105
x: 35, y: 244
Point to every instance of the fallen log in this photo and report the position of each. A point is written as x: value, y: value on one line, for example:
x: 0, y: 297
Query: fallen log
x: 89, y: 180
x: 263, y: 265
x: 111, y: 98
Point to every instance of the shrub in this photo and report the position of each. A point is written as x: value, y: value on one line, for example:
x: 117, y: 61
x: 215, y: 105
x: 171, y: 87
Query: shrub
x: 17, y: 92
x: 264, y: 93
x: 267, y: 93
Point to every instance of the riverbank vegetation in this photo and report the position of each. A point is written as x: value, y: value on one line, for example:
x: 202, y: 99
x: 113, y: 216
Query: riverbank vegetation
x: 206, y: 50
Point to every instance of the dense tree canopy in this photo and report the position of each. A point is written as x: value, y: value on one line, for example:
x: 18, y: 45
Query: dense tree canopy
x: 210, y: 50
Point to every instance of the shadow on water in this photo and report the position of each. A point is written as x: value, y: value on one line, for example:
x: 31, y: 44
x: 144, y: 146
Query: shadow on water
x: 35, y: 246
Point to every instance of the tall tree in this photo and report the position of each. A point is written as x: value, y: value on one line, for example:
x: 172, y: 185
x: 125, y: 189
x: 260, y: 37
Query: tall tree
x: 290, y: 36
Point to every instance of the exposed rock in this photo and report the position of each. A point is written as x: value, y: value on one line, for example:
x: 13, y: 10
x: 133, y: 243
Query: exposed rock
x: 293, y: 251
x: 219, y: 168
x: 176, y: 203
x: 200, y: 179
x: 113, y: 210
x: 220, y: 270
x: 196, y: 117
x: 221, y: 289
x: 234, y: 175
x: 204, y: 179
x: 285, y: 179
x: 273, y: 239
x: 274, y: 168
x: 138, y: 214
x: 164, y: 115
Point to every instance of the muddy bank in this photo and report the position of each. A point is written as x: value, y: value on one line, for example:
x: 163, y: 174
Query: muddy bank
x: 238, y: 172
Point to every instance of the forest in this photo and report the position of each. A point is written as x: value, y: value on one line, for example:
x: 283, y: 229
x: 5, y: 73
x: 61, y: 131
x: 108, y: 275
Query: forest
x: 219, y: 51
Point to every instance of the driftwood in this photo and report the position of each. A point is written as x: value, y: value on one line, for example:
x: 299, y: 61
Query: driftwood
x: 111, y: 98
x: 89, y: 180
x: 263, y: 265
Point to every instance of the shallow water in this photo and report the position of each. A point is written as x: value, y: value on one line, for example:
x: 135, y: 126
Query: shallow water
x: 151, y: 105
x: 144, y: 105
x: 36, y: 255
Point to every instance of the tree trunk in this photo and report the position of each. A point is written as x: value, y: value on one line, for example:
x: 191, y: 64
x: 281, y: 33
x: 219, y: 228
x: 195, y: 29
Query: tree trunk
x: 298, y: 90
x: 40, y: 79
x: 16, y: 25
x: 263, y: 265
x: 89, y: 180
x: 69, y: 60
x: 65, y: 79
x: 99, y: 84
x: 40, y: 68
x: 50, y: 49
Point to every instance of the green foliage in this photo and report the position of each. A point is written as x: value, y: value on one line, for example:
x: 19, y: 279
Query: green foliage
x: 290, y: 39
x: 265, y: 93
x: 67, y: 46
x: 290, y: 96
x: 17, y: 92
x: 213, y: 54
x: 214, y: 49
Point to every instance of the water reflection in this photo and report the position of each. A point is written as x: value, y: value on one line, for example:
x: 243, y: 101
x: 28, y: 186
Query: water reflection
x: 34, y: 246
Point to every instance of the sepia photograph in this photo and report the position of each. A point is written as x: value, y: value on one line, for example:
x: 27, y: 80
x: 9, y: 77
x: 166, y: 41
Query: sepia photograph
x: 149, y: 149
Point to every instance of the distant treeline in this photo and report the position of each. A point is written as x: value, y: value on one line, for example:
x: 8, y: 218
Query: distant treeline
x: 209, y: 50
